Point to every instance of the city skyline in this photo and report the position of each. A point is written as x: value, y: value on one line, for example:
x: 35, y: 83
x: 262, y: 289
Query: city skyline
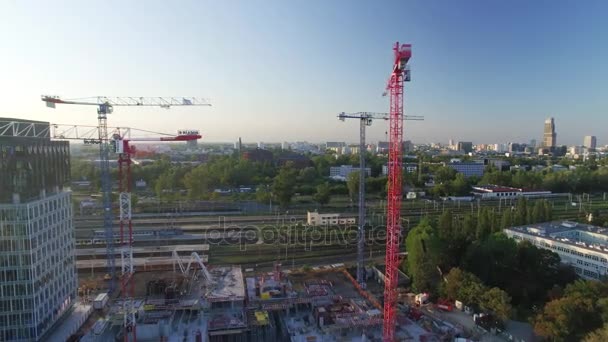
x: 281, y: 71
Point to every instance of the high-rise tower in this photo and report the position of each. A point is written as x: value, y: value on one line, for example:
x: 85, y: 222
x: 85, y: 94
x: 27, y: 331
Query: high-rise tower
x: 590, y: 142
x: 37, y: 268
x: 549, y: 135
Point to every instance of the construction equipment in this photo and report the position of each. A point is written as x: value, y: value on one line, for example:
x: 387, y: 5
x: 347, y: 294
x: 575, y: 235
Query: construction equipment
x: 400, y: 74
x: 365, y: 119
x: 194, y: 259
x: 105, y: 106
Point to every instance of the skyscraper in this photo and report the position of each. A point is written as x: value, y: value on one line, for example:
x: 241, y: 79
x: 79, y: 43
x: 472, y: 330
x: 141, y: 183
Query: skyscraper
x: 549, y: 135
x: 465, y: 146
x: 37, y: 267
x: 590, y: 142
x: 533, y: 143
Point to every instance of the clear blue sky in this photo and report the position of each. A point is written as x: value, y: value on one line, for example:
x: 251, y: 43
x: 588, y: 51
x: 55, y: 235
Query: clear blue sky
x: 486, y: 70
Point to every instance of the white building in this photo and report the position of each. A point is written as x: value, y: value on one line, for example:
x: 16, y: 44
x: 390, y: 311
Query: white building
x: 497, y: 191
x: 342, y: 171
x: 408, y: 167
x: 584, y: 247
x: 316, y: 219
x: 590, y: 142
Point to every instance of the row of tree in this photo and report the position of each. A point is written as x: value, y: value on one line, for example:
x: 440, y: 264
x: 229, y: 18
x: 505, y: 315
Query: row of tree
x: 475, y: 243
x: 581, y: 180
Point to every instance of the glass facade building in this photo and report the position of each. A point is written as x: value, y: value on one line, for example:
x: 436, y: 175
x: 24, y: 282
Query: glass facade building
x: 38, y: 281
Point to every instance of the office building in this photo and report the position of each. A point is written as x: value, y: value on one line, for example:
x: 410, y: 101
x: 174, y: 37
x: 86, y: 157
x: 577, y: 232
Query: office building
x: 468, y: 169
x: 465, y: 146
x: 37, y: 267
x: 590, y: 142
x: 516, y: 148
x: 576, y: 150
x: 549, y: 135
x: 382, y: 147
x: 582, y: 246
x: 335, y: 146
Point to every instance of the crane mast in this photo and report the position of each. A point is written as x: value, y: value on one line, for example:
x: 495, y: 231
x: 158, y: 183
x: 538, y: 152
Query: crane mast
x: 400, y: 73
x: 365, y: 119
x: 105, y: 105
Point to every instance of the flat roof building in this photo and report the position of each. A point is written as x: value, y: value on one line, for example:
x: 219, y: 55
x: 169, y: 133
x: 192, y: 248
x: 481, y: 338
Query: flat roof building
x: 468, y: 169
x: 582, y: 246
x: 313, y: 218
x: 496, y: 191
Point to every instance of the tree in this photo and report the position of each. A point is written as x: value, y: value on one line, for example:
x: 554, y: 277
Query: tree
x: 483, y: 224
x: 467, y: 288
x: 521, y: 212
x: 469, y: 227
x: 375, y: 185
x: 497, y: 178
x: 492, y: 259
x: 352, y: 182
x: 323, y: 194
x: 498, y: 302
x: 262, y: 195
x: 462, y: 286
x: 459, y: 186
x: 423, y: 247
x: 598, y: 335
x: 538, y: 212
x: 445, y: 226
x: 164, y: 184
x: 308, y: 175
x: 454, y: 241
x: 445, y: 174
x: 582, y: 309
x: 284, y: 185
x: 507, y: 219
x: 548, y: 210
x: 566, y: 319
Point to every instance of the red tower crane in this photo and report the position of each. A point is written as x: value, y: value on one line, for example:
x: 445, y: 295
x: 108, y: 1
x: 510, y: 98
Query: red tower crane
x: 127, y: 287
x: 400, y: 74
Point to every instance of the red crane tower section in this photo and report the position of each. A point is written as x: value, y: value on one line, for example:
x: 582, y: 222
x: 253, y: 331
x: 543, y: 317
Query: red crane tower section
x: 127, y: 287
x: 399, y: 75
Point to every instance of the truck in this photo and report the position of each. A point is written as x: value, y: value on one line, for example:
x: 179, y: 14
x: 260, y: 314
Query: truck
x: 100, y: 301
x: 444, y: 305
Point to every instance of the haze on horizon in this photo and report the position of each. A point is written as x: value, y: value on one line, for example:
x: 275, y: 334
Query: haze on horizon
x: 482, y: 71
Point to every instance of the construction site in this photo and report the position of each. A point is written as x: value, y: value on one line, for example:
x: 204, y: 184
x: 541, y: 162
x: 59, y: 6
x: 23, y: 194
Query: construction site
x: 172, y: 293
x: 197, y: 302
